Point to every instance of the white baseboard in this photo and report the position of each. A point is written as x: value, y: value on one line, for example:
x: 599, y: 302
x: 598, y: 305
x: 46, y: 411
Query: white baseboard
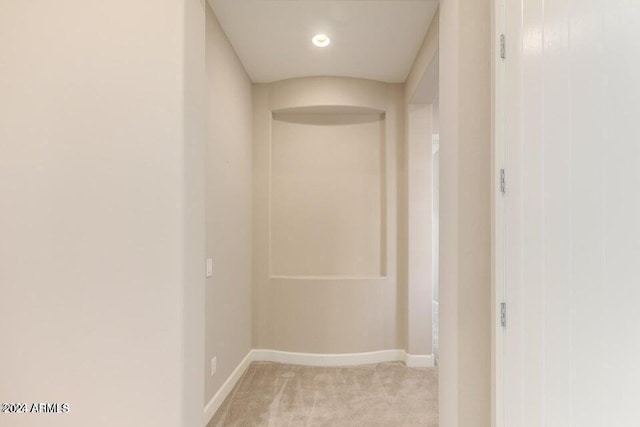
x: 314, y: 359
x: 311, y: 359
x: 415, y: 361
x: 217, y: 399
x: 343, y: 359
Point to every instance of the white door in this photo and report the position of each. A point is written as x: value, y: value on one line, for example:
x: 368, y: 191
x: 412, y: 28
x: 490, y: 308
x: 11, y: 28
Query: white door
x: 569, y: 260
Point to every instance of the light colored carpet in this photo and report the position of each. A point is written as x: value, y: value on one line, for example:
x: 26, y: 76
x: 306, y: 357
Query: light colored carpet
x: 276, y: 395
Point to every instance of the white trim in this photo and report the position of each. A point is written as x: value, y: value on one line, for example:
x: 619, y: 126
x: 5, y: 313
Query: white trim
x: 343, y: 359
x: 499, y: 212
x: 435, y: 143
x: 289, y: 277
x: 315, y: 359
x: 419, y: 361
x: 217, y: 399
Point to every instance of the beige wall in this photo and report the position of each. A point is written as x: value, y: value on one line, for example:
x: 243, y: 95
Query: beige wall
x: 194, y: 115
x: 424, y: 59
x: 101, y: 131
x: 465, y: 220
x: 419, y: 236
x: 228, y: 207
x: 327, y: 191
x: 326, y: 314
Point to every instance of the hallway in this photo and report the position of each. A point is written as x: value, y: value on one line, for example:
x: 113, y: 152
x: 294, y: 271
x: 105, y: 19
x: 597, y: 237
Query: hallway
x: 322, y: 252
x: 223, y: 213
x: 273, y: 213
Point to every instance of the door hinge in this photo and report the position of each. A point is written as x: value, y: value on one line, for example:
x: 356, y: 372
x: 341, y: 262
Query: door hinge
x: 503, y: 314
x: 503, y: 46
x: 503, y: 181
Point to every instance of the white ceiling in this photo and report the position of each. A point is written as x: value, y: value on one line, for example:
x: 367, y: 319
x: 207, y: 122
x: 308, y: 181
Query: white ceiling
x: 373, y: 39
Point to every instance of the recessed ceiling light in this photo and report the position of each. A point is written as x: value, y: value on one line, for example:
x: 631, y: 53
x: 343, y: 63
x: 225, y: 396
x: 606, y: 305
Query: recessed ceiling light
x: 321, y: 40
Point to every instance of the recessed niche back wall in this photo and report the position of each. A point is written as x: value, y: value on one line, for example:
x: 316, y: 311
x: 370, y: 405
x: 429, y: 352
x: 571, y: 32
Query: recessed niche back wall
x: 327, y: 195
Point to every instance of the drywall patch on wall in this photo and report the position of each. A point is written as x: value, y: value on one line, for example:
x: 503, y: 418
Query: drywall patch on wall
x: 327, y: 195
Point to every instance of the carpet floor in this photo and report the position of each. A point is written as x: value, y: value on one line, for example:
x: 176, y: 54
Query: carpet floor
x: 386, y: 394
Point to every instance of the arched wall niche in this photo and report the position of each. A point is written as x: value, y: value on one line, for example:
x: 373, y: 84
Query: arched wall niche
x: 313, y: 92
x: 325, y: 216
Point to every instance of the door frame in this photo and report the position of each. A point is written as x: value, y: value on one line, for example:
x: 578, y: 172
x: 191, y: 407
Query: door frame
x: 499, y: 212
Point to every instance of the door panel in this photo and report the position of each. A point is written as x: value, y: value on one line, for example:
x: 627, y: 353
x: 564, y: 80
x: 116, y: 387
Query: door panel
x: 572, y: 213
